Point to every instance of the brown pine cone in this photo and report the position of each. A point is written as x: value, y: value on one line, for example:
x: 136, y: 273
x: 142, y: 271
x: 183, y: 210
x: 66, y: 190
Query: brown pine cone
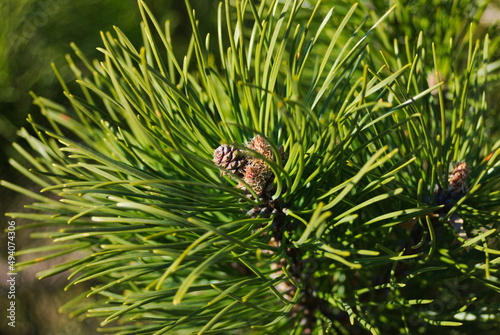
x: 457, y: 180
x: 230, y: 159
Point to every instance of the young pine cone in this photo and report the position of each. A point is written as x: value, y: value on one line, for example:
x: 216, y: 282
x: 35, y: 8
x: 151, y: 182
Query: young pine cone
x: 457, y: 180
x: 254, y: 170
x: 457, y: 187
x: 230, y: 159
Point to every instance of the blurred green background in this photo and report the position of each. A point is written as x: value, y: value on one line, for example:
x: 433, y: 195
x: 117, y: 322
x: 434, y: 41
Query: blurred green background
x: 33, y: 34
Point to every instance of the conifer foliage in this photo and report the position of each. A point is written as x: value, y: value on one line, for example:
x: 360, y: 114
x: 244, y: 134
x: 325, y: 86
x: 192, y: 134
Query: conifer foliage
x: 297, y: 172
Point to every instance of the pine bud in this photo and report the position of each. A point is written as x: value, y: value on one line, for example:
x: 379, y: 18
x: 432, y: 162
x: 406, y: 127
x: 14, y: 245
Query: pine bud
x: 257, y: 175
x: 230, y: 159
x: 259, y: 145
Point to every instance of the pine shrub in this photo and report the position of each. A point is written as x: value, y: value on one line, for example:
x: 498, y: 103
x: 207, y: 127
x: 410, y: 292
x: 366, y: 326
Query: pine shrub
x: 302, y: 170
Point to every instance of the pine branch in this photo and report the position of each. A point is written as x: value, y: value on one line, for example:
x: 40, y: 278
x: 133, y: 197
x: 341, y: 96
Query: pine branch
x: 302, y: 177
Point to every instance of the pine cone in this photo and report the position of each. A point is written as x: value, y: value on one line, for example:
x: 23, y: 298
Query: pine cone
x: 457, y: 187
x: 255, y: 172
x: 230, y: 159
x: 457, y: 180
